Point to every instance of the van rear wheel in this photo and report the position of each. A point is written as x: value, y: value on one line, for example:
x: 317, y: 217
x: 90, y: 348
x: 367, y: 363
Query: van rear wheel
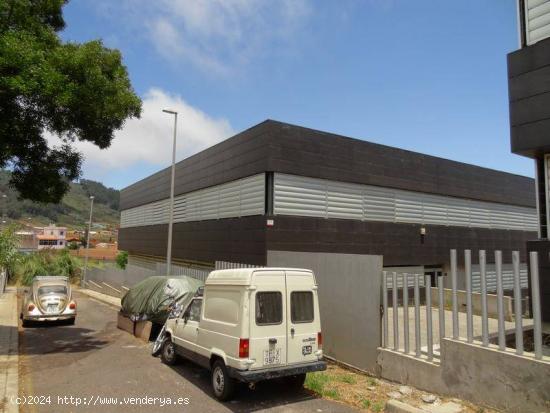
x: 222, y: 384
x: 296, y: 381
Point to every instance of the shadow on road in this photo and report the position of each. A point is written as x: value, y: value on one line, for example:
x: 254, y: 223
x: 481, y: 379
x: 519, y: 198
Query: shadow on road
x: 267, y: 394
x: 56, y: 337
x: 5, y: 333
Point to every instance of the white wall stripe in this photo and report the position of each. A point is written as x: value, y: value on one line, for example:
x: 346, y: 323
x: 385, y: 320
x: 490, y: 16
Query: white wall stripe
x: 242, y: 197
x: 302, y: 196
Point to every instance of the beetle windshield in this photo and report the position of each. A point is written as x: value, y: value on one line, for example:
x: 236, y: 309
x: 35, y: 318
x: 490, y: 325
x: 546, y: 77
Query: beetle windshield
x: 52, y: 289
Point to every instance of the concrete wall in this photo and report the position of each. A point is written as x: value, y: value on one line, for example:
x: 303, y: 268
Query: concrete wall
x: 349, y: 300
x: 486, y: 376
x: 492, y: 308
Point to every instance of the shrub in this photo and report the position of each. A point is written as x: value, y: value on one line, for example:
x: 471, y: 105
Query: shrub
x: 122, y: 259
x: 47, y: 262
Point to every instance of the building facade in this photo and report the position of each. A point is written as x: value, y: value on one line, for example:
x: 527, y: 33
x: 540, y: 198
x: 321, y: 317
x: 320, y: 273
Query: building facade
x: 52, y: 237
x: 281, y: 187
x: 529, y: 95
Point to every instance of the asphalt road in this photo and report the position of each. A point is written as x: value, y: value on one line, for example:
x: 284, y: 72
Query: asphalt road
x: 93, y: 360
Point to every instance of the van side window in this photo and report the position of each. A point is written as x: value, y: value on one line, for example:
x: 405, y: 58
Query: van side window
x: 269, y: 308
x: 301, y: 306
x: 193, y: 312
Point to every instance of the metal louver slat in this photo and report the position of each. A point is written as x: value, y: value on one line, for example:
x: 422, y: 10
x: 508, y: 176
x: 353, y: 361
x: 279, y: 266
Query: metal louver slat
x: 537, y: 20
x: 301, y: 196
x: 242, y: 197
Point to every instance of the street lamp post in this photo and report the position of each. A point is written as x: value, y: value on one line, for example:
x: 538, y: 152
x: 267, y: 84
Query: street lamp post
x: 171, y: 207
x: 4, y: 201
x: 88, y: 241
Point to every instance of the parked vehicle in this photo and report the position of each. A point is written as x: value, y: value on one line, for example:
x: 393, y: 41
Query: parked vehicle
x: 49, y: 299
x: 250, y: 325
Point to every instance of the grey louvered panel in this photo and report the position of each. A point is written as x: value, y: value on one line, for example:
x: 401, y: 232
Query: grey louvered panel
x: 435, y: 210
x: 237, y: 198
x: 537, y: 20
x: 252, y: 195
x: 303, y: 196
x: 408, y: 207
x: 295, y: 195
x: 344, y: 200
x: 379, y: 204
x: 479, y: 216
x: 507, y: 278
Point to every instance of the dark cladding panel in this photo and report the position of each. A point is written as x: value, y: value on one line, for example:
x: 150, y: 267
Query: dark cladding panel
x: 243, y: 155
x: 400, y: 244
x: 529, y: 94
x: 301, y: 151
x: 235, y: 240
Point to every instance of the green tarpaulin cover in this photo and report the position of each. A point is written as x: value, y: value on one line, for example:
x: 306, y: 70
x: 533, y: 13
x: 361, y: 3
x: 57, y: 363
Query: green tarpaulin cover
x: 150, y: 298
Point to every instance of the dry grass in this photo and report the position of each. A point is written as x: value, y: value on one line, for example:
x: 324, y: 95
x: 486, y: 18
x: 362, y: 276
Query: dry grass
x: 365, y: 392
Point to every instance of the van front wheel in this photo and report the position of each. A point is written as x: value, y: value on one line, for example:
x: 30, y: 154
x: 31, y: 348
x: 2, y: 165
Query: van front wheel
x: 296, y: 381
x: 222, y: 384
x: 168, y: 354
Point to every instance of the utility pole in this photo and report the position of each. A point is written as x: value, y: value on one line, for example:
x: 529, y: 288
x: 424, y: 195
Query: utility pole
x: 88, y: 241
x: 171, y: 207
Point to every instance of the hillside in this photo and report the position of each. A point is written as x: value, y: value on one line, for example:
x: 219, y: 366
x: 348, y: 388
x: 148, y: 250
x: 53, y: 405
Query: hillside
x: 73, y: 211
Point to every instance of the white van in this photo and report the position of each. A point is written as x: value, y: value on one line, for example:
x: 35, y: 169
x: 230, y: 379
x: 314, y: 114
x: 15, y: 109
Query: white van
x: 249, y: 325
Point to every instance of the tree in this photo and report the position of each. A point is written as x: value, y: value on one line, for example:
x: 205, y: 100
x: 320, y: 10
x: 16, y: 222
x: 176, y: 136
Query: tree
x: 75, y: 91
x: 9, y: 254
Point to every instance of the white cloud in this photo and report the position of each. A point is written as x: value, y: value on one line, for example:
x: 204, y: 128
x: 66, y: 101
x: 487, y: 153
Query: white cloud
x: 149, y: 140
x: 221, y: 36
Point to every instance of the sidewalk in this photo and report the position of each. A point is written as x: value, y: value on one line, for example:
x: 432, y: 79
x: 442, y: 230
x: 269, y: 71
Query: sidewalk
x: 9, y: 359
x: 108, y: 299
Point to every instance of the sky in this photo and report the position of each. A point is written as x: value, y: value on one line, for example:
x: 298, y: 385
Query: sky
x: 424, y: 75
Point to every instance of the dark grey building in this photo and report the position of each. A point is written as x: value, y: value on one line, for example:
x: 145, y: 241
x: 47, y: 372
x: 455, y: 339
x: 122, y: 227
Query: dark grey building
x: 277, y: 186
x: 529, y: 93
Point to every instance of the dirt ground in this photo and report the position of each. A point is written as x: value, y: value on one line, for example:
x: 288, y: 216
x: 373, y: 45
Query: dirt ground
x: 371, y: 394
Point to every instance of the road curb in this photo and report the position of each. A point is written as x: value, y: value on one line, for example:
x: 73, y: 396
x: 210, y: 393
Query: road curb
x: 395, y: 406
x: 9, y: 351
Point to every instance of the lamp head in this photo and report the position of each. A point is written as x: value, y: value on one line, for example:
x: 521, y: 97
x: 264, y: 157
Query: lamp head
x: 170, y: 111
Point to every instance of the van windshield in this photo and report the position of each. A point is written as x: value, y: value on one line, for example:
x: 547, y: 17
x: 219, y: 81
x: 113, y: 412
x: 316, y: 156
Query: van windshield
x: 301, y: 306
x: 269, y: 308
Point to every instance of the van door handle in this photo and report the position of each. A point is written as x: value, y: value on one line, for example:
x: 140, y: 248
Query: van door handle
x: 292, y: 331
x: 272, y: 341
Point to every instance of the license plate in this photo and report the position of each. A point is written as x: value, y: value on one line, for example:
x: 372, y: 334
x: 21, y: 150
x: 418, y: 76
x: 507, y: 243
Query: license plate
x: 51, y: 309
x: 272, y: 356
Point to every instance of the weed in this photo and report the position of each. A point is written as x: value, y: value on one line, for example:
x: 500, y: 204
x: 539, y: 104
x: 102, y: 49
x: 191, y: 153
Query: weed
x: 316, y: 382
x: 348, y: 378
x: 365, y: 403
x: 378, y: 407
x: 332, y: 394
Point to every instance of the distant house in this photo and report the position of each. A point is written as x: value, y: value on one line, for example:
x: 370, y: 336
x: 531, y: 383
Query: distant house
x: 52, y: 237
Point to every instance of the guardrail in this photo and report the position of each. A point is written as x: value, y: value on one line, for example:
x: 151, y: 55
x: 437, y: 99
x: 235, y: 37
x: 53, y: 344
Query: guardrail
x: 423, y: 326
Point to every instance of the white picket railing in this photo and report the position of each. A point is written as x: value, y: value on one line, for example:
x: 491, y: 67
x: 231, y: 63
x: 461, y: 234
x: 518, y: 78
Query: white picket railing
x: 423, y: 331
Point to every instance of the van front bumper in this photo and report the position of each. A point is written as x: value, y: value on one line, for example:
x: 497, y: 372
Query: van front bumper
x: 249, y: 376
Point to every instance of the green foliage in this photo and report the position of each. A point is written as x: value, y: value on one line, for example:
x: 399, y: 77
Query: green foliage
x: 378, y: 407
x: 72, y: 90
x: 47, y: 262
x: 365, y: 403
x: 72, y: 246
x: 102, y: 194
x: 9, y: 254
x: 72, y: 211
x: 348, y: 378
x: 122, y: 259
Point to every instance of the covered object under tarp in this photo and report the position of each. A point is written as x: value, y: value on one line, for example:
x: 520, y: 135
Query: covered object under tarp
x: 150, y: 298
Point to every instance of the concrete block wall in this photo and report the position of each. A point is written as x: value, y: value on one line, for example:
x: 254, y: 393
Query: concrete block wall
x: 483, y: 375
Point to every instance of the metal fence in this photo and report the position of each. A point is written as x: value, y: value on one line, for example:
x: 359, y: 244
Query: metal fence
x: 225, y: 265
x: 478, y: 329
